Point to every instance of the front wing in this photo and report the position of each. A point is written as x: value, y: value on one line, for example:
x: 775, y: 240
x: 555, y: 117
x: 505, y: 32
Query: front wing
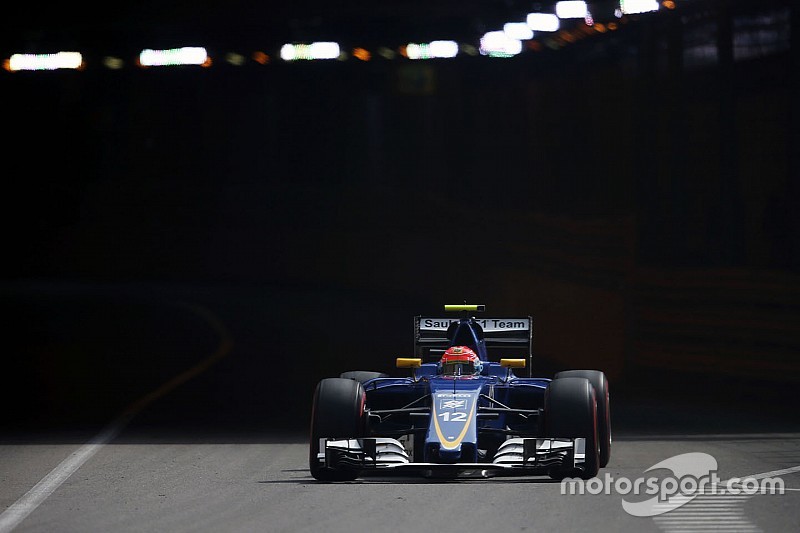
x: 515, y: 457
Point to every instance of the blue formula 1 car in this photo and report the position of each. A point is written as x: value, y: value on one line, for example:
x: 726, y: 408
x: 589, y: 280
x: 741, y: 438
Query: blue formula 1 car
x: 460, y: 413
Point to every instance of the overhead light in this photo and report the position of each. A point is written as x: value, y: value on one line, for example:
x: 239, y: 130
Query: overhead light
x: 260, y: 57
x: 444, y: 48
x: 386, y: 53
x: 468, y: 49
x: 518, y: 30
x: 498, y: 44
x: 59, y: 60
x: 632, y: 7
x: 113, y: 63
x: 188, y: 55
x: 362, y: 54
x: 235, y: 59
x: 434, y: 49
x: 571, y: 9
x: 542, y: 21
x: 317, y: 50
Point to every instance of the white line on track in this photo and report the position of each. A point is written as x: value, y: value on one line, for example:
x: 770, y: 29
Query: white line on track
x: 19, y: 510
x: 724, y: 529
x: 720, y: 511
x: 773, y: 473
x: 694, y: 517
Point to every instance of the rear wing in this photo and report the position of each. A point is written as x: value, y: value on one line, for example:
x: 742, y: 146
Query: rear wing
x: 508, y: 337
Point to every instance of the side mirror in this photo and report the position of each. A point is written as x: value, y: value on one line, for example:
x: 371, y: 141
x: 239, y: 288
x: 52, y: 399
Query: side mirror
x: 512, y: 363
x: 409, y: 362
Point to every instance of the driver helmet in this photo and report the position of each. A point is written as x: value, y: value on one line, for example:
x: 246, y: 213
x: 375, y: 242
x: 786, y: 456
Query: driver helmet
x: 460, y: 361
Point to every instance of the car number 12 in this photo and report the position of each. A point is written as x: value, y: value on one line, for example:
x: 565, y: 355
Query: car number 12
x: 453, y: 417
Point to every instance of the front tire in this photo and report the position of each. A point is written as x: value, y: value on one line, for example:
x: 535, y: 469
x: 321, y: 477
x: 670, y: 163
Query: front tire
x: 599, y: 381
x: 570, y: 411
x: 337, y: 412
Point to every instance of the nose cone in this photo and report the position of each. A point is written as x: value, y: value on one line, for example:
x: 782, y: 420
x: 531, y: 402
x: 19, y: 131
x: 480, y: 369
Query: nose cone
x: 466, y: 452
x: 450, y: 455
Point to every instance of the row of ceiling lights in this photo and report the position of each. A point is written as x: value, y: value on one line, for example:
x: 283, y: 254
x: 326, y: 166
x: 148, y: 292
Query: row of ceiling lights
x: 501, y: 43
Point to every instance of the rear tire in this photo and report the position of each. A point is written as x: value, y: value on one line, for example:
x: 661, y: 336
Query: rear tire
x: 599, y: 381
x: 337, y: 412
x: 570, y: 411
x: 362, y: 376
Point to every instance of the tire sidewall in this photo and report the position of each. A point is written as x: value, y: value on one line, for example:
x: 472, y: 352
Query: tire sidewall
x: 599, y: 381
x: 337, y: 412
x: 570, y: 411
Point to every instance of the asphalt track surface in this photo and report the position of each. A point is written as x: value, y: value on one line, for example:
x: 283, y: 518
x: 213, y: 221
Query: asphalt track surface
x: 147, y: 408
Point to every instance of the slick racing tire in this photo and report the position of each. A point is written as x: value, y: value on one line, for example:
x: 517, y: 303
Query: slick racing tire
x: 599, y: 381
x: 570, y: 411
x: 337, y: 412
x: 362, y: 376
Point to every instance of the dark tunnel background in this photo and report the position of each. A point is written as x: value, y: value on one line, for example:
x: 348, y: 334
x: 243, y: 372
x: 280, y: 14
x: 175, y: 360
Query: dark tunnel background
x: 635, y: 191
